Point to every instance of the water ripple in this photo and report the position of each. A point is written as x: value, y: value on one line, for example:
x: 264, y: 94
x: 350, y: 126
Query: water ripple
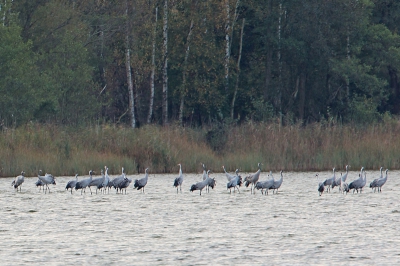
x: 294, y: 227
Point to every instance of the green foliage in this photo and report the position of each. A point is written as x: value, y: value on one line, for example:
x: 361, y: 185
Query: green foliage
x: 64, y: 61
x: 18, y: 77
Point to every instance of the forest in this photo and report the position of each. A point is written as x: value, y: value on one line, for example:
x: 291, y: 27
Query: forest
x: 296, y: 85
x: 198, y: 62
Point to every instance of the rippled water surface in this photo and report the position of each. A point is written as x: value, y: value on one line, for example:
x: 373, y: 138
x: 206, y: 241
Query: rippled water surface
x: 293, y: 227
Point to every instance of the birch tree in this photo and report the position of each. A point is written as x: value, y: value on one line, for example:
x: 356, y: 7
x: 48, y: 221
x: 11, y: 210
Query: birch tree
x: 280, y: 64
x: 128, y: 70
x: 165, y: 66
x: 238, y: 70
x: 227, y: 44
x: 153, y: 70
x: 183, y: 91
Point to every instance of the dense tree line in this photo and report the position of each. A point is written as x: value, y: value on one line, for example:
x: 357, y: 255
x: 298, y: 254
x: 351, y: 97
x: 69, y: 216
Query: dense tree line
x: 195, y: 62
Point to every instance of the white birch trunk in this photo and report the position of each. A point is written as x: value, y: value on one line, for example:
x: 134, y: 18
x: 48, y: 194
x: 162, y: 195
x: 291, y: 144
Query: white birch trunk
x: 165, y: 73
x: 280, y: 65
x: 183, y: 93
x: 227, y: 46
x: 129, y: 72
x: 153, y: 70
x: 348, y: 58
x: 4, y: 8
x: 238, y: 70
x: 235, y: 17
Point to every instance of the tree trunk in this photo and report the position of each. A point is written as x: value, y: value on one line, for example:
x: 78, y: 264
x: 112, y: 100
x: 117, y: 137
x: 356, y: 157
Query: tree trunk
x: 227, y: 46
x: 348, y: 58
x: 153, y: 70
x: 238, y: 71
x: 280, y: 65
x: 165, y: 73
x: 302, y: 95
x: 183, y: 92
x: 129, y: 72
x: 4, y: 12
x: 235, y: 17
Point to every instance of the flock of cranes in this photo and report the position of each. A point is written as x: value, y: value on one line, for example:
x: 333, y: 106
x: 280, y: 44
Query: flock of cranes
x: 356, y: 185
x: 235, y: 181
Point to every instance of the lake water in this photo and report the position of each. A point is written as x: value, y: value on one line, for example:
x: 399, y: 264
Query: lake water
x: 161, y: 227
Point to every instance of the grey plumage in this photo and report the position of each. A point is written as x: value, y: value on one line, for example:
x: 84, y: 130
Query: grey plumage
x: 200, y: 185
x: 72, y: 183
x: 253, y: 179
x: 267, y: 184
x: 372, y: 185
x: 179, y: 180
x: 106, y: 182
x: 228, y: 175
x: 97, y: 182
x: 321, y: 186
x: 380, y: 182
x: 355, y: 185
x: 329, y: 181
x: 83, y: 184
x: 124, y: 184
x: 39, y: 184
x: 204, y: 171
x: 339, y: 180
x: 116, y: 181
x: 141, y: 183
x: 277, y: 183
x: 18, y: 181
x: 47, y: 179
x: 211, y: 184
x: 234, y: 183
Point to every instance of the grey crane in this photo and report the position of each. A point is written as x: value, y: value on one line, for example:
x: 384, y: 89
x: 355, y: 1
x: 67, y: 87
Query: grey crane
x: 97, y: 182
x: 83, y: 184
x: 18, y: 181
x: 267, y: 184
x: 141, y: 183
x: 344, y: 187
x: 364, y: 182
x: 277, y: 183
x: 204, y: 171
x: 329, y: 181
x: 372, y: 184
x: 106, y: 181
x: 47, y: 179
x: 253, y: 179
x: 200, y: 185
x: 228, y: 175
x: 124, y: 184
x: 39, y: 184
x: 234, y: 183
x: 355, y: 185
x: 321, y: 186
x: 344, y: 177
x: 115, y: 182
x: 381, y: 181
x: 338, y: 181
x: 99, y: 186
x: 179, y: 180
x: 72, y: 183
x: 211, y: 182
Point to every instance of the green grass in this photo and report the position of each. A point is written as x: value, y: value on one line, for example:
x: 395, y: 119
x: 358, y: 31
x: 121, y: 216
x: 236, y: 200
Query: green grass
x: 67, y: 150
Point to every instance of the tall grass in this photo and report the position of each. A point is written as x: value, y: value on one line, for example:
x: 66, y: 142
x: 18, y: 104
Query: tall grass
x: 68, y: 150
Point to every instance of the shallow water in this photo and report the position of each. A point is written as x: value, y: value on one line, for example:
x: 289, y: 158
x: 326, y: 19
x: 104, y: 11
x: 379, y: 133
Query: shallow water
x: 293, y: 227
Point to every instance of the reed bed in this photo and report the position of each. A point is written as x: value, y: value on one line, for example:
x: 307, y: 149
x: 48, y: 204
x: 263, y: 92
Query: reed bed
x: 67, y: 150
